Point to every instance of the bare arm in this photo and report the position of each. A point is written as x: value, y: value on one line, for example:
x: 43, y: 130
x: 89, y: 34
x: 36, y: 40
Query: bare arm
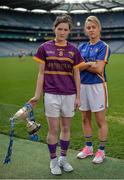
x: 77, y: 83
x: 39, y: 85
x: 40, y: 81
x: 84, y: 66
x: 97, y: 67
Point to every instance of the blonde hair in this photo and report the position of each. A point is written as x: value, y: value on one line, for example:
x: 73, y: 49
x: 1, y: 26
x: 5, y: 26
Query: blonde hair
x: 93, y: 19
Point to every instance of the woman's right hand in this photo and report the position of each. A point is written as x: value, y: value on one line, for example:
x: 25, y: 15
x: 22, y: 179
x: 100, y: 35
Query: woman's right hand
x: 33, y: 101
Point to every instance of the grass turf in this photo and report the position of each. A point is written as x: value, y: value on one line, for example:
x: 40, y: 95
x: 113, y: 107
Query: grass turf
x: 30, y: 160
x: 17, y: 85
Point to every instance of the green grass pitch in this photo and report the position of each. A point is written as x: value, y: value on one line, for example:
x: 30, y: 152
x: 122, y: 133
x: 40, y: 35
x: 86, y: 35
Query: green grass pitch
x: 17, y: 85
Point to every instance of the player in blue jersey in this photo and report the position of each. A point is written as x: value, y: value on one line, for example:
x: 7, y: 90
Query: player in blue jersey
x: 59, y: 79
x: 94, y: 89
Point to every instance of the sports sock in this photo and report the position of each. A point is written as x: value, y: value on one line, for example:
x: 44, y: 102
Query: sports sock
x: 88, y: 140
x: 52, y: 150
x: 64, y: 147
x: 102, y: 144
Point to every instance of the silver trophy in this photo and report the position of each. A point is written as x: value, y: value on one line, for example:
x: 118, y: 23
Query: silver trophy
x: 26, y: 113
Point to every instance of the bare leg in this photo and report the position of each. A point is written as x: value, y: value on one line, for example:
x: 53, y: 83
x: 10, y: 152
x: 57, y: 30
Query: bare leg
x: 53, y: 125
x: 103, y: 128
x: 86, y: 123
x: 65, y: 124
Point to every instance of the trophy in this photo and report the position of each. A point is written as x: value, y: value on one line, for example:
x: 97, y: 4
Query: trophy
x: 26, y: 113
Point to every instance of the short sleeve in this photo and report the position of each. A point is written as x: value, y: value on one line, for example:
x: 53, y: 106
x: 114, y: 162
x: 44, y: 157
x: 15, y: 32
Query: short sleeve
x: 104, y: 53
x: 78, y: 60
x: 40, y: 55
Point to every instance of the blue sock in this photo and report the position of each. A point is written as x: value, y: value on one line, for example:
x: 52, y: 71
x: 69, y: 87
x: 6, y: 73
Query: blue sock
x: 102, y: 145
x: 88, y: 140
x: 102, y: 148
x: 89, y: 143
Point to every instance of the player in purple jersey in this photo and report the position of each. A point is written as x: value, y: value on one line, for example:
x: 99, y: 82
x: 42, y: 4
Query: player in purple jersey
x: 93, y: 88
x: 59, y: 79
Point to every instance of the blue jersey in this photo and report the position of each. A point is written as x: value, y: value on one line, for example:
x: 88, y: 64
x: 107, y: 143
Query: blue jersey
x: 92, y: 53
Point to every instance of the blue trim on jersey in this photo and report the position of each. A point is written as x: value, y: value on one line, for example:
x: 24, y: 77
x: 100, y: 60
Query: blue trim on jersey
x: 94, y: 52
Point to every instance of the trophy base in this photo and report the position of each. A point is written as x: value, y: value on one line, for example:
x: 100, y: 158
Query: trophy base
x: 33, y: 127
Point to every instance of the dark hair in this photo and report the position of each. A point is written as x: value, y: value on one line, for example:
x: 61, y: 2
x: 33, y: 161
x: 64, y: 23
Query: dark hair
x: 64, y: 18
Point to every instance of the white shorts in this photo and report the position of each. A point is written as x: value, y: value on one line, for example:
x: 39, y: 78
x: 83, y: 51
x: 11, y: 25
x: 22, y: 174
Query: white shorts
x: 59, y: 105
x: 93, y: 97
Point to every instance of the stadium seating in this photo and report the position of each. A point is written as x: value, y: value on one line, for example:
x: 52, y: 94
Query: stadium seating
x: 26, y: 30
x: 12, y: 48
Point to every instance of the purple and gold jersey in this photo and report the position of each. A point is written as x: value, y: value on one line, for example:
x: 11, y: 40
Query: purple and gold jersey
x: 59, y: 64
x: 94, y: 52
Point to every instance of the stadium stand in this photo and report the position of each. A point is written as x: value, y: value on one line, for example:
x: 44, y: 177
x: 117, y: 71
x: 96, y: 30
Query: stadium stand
x: 10, y: 48
x: 26, y: 30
